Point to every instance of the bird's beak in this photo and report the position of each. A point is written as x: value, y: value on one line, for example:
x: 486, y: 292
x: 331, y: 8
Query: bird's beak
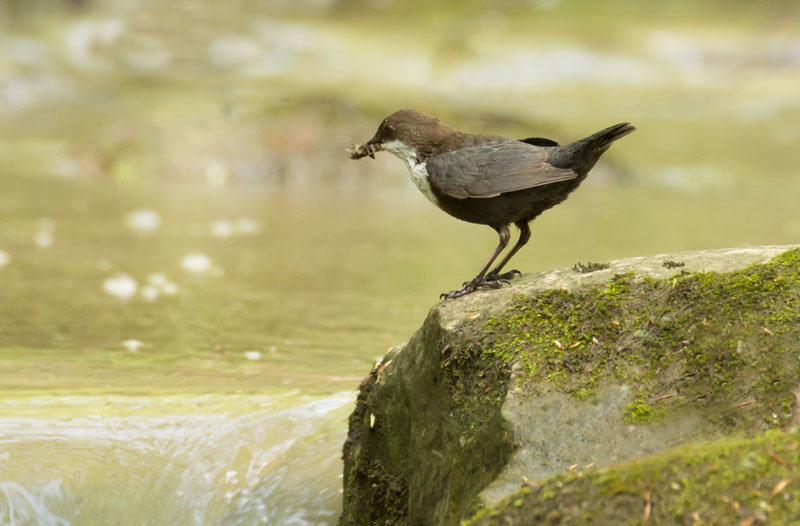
x: 374, y: 144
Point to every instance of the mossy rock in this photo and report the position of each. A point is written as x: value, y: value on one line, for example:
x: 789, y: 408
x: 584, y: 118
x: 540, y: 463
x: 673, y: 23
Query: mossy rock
x: 728, y: 481
x: 566, y: 369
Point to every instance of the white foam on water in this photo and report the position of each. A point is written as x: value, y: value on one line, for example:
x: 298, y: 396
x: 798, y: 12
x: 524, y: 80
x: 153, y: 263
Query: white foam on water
x: 150, y: 293
x: 252, y: 355
x: 143, y: 221
x: 43, y: 238
x: 132, y: 345
x: 30, y: 504
x: 222, y: 228
x: 160, y: 284
x: 120, y: 285
x: 247, y: 225
x: 196, y: 263
x: 157, y: 279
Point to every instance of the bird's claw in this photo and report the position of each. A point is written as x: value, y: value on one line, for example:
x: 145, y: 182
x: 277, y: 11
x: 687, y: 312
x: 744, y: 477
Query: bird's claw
x: 490, y: 282
x: 471, y: 286
x: 504, y: 276
x: 493, y: 283
x: 453, y: 294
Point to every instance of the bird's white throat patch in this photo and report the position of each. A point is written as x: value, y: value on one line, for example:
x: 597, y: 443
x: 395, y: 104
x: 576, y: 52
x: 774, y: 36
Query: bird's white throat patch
x: 416, y: 169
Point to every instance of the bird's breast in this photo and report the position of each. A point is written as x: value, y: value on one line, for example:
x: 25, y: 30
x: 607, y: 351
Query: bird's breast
x: 419, y: 175
x: 416, y: 169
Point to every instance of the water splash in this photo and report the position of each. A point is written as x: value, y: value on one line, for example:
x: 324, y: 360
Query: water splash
x: 34, y: 504
x: 217, y: 464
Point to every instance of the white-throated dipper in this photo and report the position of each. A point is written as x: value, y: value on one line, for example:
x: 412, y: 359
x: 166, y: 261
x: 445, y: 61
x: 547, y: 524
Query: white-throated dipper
x: 486, y: 179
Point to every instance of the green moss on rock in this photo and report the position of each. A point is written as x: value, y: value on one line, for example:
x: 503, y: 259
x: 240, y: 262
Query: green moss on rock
x: 638, y: 412
x: 708, y: 338
x: 729, y: 481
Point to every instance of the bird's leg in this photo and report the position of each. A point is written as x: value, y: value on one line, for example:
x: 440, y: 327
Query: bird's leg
x: 524, y: 236
x: 480, y: 280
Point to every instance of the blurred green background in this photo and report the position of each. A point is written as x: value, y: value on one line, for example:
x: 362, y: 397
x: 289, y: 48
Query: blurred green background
x: 194, y: 276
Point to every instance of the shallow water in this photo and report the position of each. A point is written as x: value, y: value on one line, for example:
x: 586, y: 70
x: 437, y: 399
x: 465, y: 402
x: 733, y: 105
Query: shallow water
x: 232, y: 406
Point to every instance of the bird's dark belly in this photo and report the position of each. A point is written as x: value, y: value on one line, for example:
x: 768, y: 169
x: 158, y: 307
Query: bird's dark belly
x: 505, y: 209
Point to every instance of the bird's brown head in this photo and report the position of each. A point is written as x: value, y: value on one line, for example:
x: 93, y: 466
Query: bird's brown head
x: 409, y: 132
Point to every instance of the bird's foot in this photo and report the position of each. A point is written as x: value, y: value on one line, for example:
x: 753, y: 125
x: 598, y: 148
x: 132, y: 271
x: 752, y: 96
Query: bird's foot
x: 471, y: 286
x: 504, y: 276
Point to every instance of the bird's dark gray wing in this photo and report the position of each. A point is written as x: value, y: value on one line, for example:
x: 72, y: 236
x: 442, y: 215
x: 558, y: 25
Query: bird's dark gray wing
x: 492, y: 169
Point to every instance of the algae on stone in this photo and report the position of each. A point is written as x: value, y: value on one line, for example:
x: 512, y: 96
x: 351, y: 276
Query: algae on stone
x: 709, y: 338
x: 728, y: 481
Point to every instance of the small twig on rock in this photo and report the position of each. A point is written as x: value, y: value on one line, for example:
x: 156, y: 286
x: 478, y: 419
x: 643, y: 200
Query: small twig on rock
x: 777, y: 458
x: 664, y: 397
x: 779, y: 487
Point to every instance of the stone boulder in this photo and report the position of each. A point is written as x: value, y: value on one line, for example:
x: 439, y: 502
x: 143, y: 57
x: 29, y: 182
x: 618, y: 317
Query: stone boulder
x: 505, y: 402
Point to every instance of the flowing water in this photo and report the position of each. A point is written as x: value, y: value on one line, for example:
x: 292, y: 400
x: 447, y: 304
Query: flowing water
x: 223, y: 398
x: 194, y: 279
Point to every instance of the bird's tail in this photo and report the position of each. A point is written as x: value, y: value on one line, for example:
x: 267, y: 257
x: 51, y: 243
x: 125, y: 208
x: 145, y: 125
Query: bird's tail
x: 580, y: 156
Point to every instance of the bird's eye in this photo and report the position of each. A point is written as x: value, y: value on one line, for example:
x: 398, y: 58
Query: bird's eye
x: 390, y: 127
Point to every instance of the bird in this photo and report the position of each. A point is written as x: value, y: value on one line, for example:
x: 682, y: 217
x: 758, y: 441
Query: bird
x: 486, y: 179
